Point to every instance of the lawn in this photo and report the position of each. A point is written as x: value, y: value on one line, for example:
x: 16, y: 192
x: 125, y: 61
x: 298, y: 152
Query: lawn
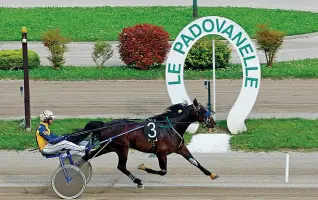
x: 306, y: 69
x: 95, y: 23
x: 278, y: 135
x: 13, y: 137
x: 262, y: 134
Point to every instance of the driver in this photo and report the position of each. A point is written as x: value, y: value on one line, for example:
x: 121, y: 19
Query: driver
x: 47, y: 141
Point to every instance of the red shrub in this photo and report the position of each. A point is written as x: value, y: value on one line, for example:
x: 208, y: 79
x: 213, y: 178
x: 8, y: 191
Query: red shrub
x: 143, y: 45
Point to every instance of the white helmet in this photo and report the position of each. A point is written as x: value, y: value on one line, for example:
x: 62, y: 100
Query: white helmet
x: 46, y: 115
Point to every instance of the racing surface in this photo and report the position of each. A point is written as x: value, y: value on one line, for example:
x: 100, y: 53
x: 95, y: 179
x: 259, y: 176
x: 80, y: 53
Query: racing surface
x: 25, y: 175
x: 242, y: 176
x: 131, y: 98
x: 172, y: 193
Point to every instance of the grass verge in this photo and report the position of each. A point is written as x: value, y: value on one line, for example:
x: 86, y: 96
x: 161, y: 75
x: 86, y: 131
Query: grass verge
x: 278, y: 135
x: 94, y: 23
x: 305, y: 69
x: 262, y: 134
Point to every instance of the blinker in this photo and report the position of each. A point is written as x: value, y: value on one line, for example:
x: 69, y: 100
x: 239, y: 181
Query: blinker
x: 208, y: 114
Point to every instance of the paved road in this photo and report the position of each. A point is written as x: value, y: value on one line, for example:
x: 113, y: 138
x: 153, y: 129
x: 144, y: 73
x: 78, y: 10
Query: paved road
x: 242, y: 176
x: 280, y: 98
x: 305, y: 5
x: 294, y: 48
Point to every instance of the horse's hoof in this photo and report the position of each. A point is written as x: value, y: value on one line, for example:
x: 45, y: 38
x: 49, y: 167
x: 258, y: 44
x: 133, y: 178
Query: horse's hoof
x: 214, y: 176
x: 140, y: 186
x: 142, y: 166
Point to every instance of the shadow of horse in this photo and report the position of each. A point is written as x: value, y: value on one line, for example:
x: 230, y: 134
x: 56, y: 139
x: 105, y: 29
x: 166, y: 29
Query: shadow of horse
x: 168, y: 138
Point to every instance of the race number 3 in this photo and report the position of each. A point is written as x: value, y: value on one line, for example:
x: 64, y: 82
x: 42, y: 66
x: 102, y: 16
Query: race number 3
x: 153, y: 130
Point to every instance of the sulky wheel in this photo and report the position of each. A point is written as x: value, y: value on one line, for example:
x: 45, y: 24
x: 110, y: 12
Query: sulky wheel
x: 87, y: 169
x: 68, y: 189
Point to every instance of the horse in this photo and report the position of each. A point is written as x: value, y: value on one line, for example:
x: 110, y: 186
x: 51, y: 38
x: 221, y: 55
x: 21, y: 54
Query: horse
x: 177, y: 119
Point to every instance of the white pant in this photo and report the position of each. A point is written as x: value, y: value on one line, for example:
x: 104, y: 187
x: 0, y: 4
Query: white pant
x: 56, y: 148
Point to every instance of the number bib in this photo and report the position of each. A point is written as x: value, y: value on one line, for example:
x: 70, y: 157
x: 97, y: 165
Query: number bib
x: 151, y: 130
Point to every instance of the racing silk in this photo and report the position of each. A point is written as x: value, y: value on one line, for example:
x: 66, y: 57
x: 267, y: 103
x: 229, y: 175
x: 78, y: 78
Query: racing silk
x: 45, y: 136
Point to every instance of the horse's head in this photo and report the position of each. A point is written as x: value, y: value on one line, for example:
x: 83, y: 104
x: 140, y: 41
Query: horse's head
x: 182, y: 112
x: 203, y: 115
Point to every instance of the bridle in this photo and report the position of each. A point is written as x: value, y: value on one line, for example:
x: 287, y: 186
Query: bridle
x: 207, y: 115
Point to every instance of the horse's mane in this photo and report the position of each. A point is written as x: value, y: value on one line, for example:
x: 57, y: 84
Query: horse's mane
x: 171, y: 111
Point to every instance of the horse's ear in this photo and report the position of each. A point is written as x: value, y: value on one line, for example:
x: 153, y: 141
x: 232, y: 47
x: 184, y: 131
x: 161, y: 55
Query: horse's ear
x: 195, y: 102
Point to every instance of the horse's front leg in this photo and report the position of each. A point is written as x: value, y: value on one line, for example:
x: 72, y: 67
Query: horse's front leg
x: 187, y: 155
x: 162, y: 159
x: 122, y: 161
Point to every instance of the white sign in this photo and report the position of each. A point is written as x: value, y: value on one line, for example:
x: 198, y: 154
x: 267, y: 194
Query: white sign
x: 236, y: 35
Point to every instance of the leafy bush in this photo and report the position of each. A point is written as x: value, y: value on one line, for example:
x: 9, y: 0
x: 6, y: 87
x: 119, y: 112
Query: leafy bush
x: 200, y: 55
x: 12, y: 59
x: 143, y: 46
x: 102, y: 51
x: 269, y: 41
x: 56, y: 45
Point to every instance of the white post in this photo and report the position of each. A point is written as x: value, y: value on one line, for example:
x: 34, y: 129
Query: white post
x: 287, y: 168
x: 214, y: 98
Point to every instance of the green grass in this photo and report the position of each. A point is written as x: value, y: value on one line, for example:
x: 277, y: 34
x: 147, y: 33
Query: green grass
x: 278, y: 134
x: 187, y: 137
x: 91, y: 24
x: 15, y: 138
x: 306, y: 69
x: 262, y: 134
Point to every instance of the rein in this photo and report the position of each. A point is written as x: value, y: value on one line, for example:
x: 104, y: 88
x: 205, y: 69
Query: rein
x: 179, y: 136
x: 105, y: 127
x: 96, y: 129
x: 93, y: 130
x: 169, y: 126
x: 173, y: 129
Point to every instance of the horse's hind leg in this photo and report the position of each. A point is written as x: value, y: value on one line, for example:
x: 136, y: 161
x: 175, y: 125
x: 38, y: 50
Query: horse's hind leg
x: 122, y: 161
x: 187, y: 155
x: 162, y: 159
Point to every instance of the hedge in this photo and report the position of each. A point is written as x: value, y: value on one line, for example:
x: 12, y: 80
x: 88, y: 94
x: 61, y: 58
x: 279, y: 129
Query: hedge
x: 12, y: 59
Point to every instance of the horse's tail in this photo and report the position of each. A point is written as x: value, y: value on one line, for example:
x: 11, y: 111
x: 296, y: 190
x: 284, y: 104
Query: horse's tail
x: 92, y: 127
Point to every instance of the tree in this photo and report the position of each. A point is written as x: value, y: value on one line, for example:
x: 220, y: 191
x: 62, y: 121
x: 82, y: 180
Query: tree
x: 101, y: 53
x: 56, y: 45
x: 269, y: 40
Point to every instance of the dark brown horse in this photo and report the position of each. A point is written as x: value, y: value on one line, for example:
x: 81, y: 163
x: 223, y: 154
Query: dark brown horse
x: 169, y: 138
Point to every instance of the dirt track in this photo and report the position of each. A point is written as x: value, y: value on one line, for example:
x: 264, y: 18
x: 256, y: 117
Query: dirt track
x: 242, y: 176
x: 172, y: 193
x: 287, y: 98
x: 281, y: 98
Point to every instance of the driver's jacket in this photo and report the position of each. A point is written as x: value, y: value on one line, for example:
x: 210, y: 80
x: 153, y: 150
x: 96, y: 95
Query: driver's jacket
x: 44, y: 136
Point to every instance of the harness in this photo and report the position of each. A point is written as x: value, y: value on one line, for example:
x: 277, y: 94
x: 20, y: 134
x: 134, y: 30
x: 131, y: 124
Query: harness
x: 179, y: 136
x: 169, y: 126
x: 205, y: 116
x: 173, y: 129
